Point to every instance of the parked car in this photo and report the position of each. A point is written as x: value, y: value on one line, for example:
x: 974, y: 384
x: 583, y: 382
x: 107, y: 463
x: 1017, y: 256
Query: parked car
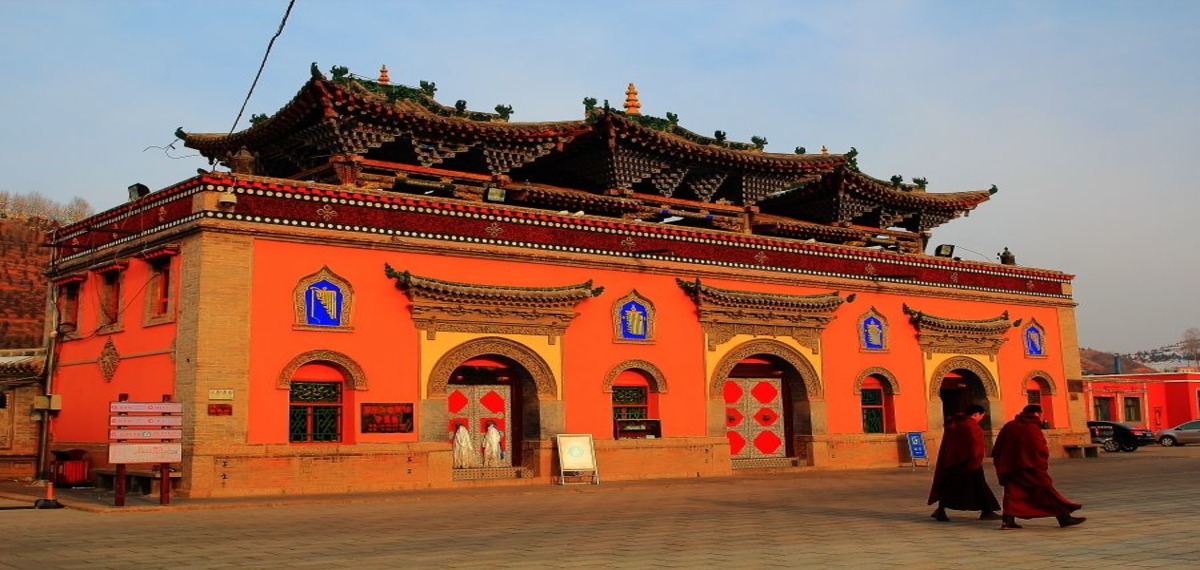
x: 1124, y: 437
x: 1187, y: 432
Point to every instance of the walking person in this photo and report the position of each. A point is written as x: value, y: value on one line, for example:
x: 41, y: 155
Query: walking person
x: 1022, y: 461
x: 958, y: 479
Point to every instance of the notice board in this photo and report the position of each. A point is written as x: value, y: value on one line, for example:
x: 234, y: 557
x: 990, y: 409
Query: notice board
x: 577, y: 459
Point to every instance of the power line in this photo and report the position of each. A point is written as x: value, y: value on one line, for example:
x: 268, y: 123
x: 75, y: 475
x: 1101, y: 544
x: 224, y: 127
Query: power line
x: 262, y: 65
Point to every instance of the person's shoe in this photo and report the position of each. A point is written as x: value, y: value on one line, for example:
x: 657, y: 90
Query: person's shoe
x: 939, y: 515
x: 990, y: 516
x: 1009, y: 523
x: 1068, y: 520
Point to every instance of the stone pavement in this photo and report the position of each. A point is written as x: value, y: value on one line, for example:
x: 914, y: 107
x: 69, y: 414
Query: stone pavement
x: 1140, y: 508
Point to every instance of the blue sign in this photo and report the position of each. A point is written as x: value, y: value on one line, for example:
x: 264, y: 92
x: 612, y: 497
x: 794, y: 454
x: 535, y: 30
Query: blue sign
x: 635, y: 321
x: 873, y: 333
x: 323, y: 304
x: 916, y: 445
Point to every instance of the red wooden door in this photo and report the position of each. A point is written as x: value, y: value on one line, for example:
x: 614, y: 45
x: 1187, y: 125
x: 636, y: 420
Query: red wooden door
x: 474, y: 407
x: 754, y: 418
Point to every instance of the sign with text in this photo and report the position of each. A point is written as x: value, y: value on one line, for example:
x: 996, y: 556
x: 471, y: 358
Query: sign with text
x: 145, y: 434
x: 145, y: 420
x: 916, y: 448
x: 387, y: 418
x: 916, y: 445
x: 145, y: 452
x: 146, y: 407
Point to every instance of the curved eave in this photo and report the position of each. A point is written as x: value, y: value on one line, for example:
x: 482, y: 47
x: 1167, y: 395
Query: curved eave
x: 21, y: 370
x: 751, y: 160
x: 312, y: 96
x: 912, y: 197
x: 994, y: 325
x: 821, y: 302
x: 452, y: 291
x: 342, y: 106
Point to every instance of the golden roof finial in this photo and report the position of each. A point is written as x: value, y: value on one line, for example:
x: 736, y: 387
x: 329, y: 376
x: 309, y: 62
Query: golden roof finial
x: 824, y: 149
x: 632, y: 105
x: 383, y: 76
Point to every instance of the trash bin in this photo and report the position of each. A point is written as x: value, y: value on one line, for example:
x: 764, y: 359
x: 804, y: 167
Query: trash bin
x: 69, y: 468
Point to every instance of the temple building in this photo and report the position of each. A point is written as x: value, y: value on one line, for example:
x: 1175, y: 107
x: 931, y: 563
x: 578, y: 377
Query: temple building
x: 1154, y: 400
x: 375, y: 291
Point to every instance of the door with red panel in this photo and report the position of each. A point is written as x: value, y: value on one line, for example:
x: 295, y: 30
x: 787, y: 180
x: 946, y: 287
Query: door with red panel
x: 475, y: 407
x: 754, y: 418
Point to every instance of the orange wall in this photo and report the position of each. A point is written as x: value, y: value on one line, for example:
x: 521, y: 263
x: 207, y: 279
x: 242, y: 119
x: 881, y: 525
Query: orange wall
x: 145, y: 371
x: 384, y: 341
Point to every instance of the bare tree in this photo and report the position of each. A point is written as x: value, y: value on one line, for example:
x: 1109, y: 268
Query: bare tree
x: 1190, y: 345
x: 36, y: 206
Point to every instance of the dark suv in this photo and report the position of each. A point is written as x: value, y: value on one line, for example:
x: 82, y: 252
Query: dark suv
x: 1119, y: 436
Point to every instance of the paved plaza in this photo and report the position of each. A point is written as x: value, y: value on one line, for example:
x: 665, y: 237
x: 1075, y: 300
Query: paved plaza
x: 1140, y: 506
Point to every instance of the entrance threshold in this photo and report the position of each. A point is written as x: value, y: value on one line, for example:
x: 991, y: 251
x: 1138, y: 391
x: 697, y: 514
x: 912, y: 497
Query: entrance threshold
x: 491, y: 473
x: 765, y: 463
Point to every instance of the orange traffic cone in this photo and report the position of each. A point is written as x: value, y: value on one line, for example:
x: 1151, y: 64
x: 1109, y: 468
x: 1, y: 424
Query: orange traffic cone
x: 49, y: 502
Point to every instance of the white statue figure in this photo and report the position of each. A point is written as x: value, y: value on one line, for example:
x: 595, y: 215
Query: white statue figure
x: 493, y: 455
x: 464, y: 451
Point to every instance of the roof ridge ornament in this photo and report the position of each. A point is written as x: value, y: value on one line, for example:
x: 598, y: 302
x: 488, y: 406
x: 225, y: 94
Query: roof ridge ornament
x: 632, y: 105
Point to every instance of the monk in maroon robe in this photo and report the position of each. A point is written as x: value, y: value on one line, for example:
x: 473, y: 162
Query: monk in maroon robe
x: 1022, y: 461
x: 958, y: 481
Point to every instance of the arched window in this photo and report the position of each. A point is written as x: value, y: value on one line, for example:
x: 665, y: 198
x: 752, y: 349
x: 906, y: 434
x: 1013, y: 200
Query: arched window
x: 634, y: 406
x: 317, y: 404
x: 876, y: 400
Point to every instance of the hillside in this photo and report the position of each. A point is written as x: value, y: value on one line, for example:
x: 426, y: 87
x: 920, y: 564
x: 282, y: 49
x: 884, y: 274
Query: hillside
x: 1097, y: 362
x: 23, y: 259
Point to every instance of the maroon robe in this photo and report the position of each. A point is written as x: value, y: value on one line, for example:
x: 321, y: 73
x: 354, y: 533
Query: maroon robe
x: 1022, y: 461
x: 958, y: 481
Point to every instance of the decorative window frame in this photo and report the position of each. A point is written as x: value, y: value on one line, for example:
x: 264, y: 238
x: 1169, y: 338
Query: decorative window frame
x: 355, y: 378
x: 884, y: 329
x: 890, y: 387
x: 890, y: 384
x: 1026, y: 339
x: 155, y: 260
x: 651, y: 320
x: 67, y: 326
x: 300, y: 306
x: 654, y: 377
x: 106, y: 290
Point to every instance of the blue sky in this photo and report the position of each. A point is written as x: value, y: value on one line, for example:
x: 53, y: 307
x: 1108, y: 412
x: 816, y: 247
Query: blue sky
x: 1082, y: 113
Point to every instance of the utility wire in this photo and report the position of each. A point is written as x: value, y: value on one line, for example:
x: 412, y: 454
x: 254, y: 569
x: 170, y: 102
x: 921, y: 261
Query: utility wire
x: 262, y: 65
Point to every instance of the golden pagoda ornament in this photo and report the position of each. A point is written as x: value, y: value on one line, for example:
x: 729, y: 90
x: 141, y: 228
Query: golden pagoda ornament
x: 632, y: 105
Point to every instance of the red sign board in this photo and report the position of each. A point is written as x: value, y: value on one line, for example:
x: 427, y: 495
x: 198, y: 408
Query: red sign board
x: 145, y: 421
x: 146, y: 407
x: 145, y: 434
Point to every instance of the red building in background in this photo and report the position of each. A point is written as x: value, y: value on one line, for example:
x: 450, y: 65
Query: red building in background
x: 1155, y: 400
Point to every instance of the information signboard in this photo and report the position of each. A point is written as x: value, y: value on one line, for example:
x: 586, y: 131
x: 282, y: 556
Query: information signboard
x: 126, y: 452
x: 146, y: 407
x: 577, y: 459
x: 916, y: 448
x: 124, y: 434
x: 145, y: 420
x: 136, y: 427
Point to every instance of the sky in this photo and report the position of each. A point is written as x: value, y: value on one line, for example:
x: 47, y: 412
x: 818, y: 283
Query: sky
x: 1083, y: 113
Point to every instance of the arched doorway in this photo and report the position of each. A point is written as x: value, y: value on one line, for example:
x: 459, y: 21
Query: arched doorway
x: 961, y: 382
x: 765, y: 389
x: 487, y: 394
x: 497, y: 390
x: 1039, y: 390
